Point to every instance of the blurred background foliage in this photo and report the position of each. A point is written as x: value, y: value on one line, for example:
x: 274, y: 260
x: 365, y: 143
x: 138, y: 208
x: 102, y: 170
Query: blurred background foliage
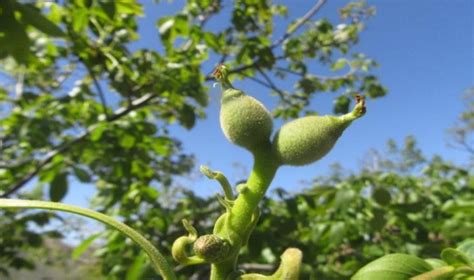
x: 58, y: 124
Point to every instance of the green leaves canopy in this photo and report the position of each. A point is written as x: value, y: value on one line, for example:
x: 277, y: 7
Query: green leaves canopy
x: 79, y: 100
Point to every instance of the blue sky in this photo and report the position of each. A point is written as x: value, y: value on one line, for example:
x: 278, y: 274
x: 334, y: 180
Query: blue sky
x: 425, y: 52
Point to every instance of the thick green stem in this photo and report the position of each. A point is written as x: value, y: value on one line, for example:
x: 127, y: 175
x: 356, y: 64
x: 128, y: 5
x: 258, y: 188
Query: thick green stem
x: 239, y: 220
x: 264, y: 169
x: 158, y: 262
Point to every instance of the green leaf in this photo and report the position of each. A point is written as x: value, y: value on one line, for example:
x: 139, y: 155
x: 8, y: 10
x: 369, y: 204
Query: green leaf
x: 127, y: 141
x: 337, y: 232
x: 129, y: 7
x: 381, y: 196
x: 80, y: 19
x: 343, y: 198
x: 292, y: 206
x: 409, y: 207
x: 14, y: 41
x: 187, y: 117
x: 172, y: 27
x: 165, y: 25
x: 81, y: 248
x: 97, y: 132
x: 454, y: 257
x: 109, y: 8
x: 378, y: 221
x: 339, y: 64
x: 31, y: 15
x: 58, y: 187
x: 393, y: 267
x: 161, y: 146
x: 454, y: 206
x: 82, y: 175
x: 341, y: 104
x: 212, y: 41
x: 436, y: 263
x: 467, y: 247
x: 137, y: 268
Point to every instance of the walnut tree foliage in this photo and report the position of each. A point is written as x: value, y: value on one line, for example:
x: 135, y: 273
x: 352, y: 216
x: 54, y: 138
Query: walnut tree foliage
x: 79, y: 102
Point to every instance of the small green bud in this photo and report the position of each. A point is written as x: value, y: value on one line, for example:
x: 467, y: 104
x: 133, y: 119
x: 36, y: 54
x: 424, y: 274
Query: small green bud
x: 308, y: 139
x: 211, y: 248
x: 244, y: 120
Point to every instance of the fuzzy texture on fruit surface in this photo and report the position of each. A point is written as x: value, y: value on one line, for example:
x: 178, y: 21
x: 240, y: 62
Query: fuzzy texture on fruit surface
x: 244, y: 120
x: 308, y: 139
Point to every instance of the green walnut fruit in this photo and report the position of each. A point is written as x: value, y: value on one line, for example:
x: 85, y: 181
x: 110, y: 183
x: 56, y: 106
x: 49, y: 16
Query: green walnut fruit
x: 306, y: 140
x: 244, y: 120
x: 211, y: 248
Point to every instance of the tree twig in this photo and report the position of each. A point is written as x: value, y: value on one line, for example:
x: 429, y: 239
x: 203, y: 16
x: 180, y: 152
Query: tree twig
x: 203, y: 18
x: 289, y: 71
x: 273, y: 86
x: 239, y: 69
x: 299, y: 23
x: 267, y: 85
x: 99, y: 89
x: 276, y: 43
x: 119, y: 113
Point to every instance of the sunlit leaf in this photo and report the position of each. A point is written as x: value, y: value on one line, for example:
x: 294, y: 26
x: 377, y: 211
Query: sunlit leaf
x: 393, y: 267
x: 127, y: 141
x: 454, y: 257
x: 33, y: 16
x: 467, y: 248
x: 83, y: 246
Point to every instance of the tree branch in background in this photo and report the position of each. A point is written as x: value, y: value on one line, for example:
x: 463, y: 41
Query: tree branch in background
x: 119, y: 113
x: 332, y: 78
x: 283, y: 69
x: 203, y: 18
x: 289, y: 32
x: 273, y: 86
x: 239, y: 69
x: 99, y: 89
x: 280, y: 93
x: 299, y: 23
x: 320, y: 77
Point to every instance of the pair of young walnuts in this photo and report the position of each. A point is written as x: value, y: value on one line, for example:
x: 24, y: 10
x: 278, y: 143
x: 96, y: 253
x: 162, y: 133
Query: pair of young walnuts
x: 247, y: 123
